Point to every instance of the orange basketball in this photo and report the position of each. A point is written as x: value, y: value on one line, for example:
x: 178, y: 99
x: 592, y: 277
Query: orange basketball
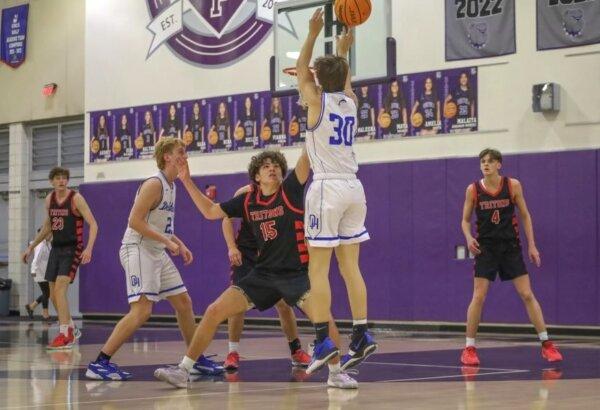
x: 352, y: 12
x: 384, y: 120
x: 450, y: 109
x: 188, y: 137
x: 239, y: 133
x: 95, y: 146
x: 116, y: 147
x: 213, y: 137
x: 417, y: 120
x: 294, y: 128
x: 265, y: 134
x: 139, y: 142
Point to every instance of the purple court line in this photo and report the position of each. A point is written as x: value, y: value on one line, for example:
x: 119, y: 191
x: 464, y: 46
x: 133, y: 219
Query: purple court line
x: 451, y: 376
x: 441, y: 366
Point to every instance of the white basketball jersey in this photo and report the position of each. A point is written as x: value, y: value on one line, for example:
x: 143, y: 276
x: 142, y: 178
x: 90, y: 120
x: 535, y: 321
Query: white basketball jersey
x: 161, y: 219
x: 329, y: 143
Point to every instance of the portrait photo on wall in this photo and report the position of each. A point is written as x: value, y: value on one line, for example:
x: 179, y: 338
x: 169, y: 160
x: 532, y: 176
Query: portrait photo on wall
x: 194, y: 129
x: 460, y: 100
x: 122, y: 146
x: 245, y: 134
x: 219, y: 134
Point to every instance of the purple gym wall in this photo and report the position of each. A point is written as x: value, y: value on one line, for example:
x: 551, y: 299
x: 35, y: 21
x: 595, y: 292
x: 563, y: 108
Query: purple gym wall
x: 409, y: 265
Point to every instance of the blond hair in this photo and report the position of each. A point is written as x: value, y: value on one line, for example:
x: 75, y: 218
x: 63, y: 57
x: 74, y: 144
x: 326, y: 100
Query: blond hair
x: 165, y: 145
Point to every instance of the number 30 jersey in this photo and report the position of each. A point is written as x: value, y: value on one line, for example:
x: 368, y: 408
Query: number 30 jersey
x: 161, y: 218
x: 329, y: 142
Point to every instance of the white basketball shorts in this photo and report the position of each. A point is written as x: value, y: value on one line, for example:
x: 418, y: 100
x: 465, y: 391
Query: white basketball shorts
x: 149, y: 272
x: 335, y: 212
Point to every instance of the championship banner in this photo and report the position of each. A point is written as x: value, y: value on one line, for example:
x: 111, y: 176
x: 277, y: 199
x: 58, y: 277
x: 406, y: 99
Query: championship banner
x: 567, y: 23
x: 412, y: 105
x: 14, y: 35
x: 479, y: 29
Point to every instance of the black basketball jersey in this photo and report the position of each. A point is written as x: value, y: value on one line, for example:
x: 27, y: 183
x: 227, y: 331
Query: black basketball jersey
x: 428, y: 107
x: 103, y: 139
x: 364, y: 111
x: 496, y: 217
x: 277, y: 224
x: 302, y: 116
x: 148, y: 135
x: 248, y: 122
x: 276, y: 122
x: 221, y: 126
x: 171, y: 127
x: 394, y: 106
x: 463, y: 99
x: 124, y: 137
x: 65, y: 221
x: 195, y: 125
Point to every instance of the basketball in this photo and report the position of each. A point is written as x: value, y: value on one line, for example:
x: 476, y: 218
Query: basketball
x: 188, y: 137
x: 294, y: 128
x: 213, y: 137
x: 384, y: 120
x: 95, y: 146
x: 238, y: 134
x: 139, y: 142
x: 417, y: 120
x: 352, y: 12
x: 450, y: 110
x: 116, y: 147
x: 265, y: 134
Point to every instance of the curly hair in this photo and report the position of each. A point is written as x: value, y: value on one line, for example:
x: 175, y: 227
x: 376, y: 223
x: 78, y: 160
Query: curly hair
x: 258, y: 160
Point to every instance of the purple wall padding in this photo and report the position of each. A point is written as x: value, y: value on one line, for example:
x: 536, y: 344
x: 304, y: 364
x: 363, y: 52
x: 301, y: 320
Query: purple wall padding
x: 409, y: 264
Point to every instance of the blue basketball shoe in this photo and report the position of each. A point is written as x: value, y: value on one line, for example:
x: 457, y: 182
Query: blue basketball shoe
x: 207, y: 367
x: 104, y: 370
x: 324, y: 352
x: 360, y: 348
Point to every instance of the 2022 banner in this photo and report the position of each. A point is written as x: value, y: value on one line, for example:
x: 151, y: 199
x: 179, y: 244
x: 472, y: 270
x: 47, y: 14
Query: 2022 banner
x: 436, y: 102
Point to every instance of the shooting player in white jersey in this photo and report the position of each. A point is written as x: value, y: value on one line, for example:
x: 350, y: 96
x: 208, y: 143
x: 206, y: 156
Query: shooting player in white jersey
x: 336, y: 207
x: 149, y: 272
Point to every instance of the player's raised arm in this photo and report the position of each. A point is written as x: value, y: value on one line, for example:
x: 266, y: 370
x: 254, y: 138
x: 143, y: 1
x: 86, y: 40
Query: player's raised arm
x: 302, y: 169
x: 306, y: 82
x: 344, y: 42
x: 465, y: 224
x: 208, y: 208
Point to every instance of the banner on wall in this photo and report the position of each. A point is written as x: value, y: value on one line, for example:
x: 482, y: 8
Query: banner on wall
x: 567, y: 23
x: 479, y: 29
x: 419, y: 104
x: 14, y: 35
x: 211, y: 33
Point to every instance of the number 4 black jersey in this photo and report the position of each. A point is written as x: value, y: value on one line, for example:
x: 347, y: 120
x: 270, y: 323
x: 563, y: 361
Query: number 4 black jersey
x: 277, y: 223
x: 65, y: 221
x: 495, y: 212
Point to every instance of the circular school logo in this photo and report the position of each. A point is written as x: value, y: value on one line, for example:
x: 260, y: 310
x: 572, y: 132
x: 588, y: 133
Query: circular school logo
x: 211, y: 32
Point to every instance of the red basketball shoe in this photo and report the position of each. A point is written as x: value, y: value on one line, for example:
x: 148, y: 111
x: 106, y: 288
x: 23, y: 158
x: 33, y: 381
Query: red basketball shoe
x: 469, y: 356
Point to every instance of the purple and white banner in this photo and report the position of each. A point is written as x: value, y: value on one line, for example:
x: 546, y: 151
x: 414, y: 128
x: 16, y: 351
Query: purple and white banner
x: 420, y: 104
x: 14, y: 35
x: 211, y: 33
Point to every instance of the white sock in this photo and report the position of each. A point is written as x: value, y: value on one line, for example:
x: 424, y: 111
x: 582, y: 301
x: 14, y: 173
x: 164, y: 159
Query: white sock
x: 64, y: 329
x: 187, y: 364
x: 543, y: 336
x: 71, y: 324
x: 470, y: 342
x: 359, y: 322
x: 334, y: 368
x: 234, y: 347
